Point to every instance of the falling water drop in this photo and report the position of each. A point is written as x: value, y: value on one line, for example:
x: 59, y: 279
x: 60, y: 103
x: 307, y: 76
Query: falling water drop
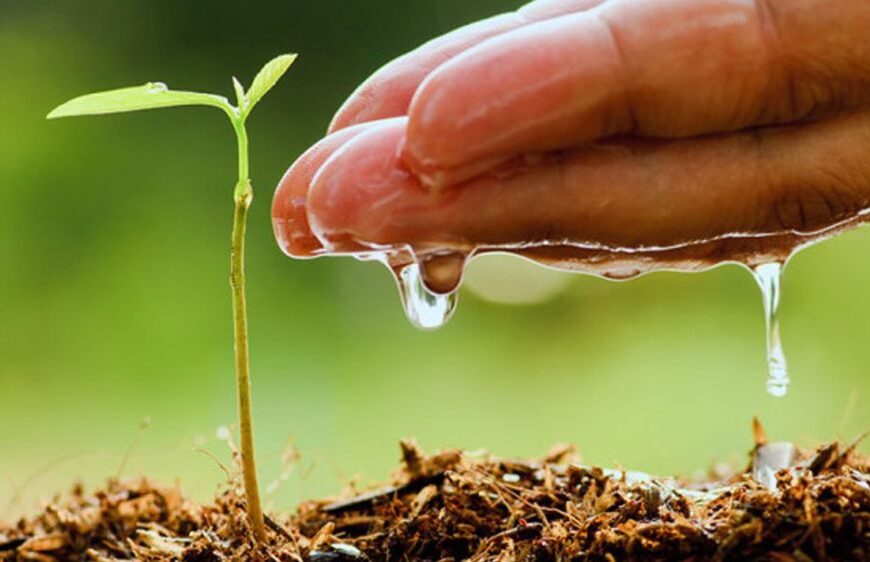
x: 424, y: 308
x: 769, y: 278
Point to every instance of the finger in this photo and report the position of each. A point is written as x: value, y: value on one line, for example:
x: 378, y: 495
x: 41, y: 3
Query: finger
x: 289, y: 216
x: 672, y: 68
x: 389, y: 91
x: 540, y: 10
x: 637, y: 195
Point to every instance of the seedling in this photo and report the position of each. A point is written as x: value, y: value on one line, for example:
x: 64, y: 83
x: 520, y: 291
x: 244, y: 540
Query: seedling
x: 158, y: 95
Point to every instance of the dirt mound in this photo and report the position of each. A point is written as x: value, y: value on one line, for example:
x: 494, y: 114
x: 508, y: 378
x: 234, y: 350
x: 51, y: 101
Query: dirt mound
x: 788, y: 505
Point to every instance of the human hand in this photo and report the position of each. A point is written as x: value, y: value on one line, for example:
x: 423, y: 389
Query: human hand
x: 601, y: 126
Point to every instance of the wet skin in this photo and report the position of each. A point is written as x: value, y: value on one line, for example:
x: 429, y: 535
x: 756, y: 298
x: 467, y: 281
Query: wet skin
x: 676, y: 130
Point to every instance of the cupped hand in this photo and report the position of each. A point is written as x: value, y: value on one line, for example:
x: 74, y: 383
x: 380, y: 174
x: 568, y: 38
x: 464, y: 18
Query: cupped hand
x: 623, y: 124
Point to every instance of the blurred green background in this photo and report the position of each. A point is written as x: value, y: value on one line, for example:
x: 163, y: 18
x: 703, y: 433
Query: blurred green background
x: 115, y: 302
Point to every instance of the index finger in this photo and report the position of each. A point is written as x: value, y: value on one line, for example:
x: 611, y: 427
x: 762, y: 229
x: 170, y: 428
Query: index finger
x: 388, y: 92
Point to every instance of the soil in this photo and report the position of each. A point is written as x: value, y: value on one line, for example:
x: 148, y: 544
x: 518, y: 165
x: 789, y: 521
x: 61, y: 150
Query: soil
x: 788, y: 505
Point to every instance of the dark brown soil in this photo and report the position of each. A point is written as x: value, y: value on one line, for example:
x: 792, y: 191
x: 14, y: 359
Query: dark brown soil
x: 451, y: 507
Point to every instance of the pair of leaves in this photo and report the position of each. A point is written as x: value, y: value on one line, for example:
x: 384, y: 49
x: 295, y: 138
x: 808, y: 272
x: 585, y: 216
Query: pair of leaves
x: 156, y: 95
x: 264, y: 81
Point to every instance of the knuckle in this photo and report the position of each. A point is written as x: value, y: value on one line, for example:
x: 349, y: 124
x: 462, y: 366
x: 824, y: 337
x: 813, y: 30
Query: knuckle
x: 825, y: 199
x: 814, y: 74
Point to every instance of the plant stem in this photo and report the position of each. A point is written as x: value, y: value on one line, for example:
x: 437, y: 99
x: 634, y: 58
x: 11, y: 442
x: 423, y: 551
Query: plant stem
x: 242, y: 197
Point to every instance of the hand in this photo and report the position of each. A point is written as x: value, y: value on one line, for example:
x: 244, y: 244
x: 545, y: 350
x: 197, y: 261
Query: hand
x: 617, y: 124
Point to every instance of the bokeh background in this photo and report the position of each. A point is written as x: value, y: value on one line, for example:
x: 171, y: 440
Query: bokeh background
x: 114, y: 301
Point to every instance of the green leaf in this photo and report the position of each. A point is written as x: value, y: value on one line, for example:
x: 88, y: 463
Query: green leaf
x: 241, y: 96
x: 268, y: 77
x: 150, y: 96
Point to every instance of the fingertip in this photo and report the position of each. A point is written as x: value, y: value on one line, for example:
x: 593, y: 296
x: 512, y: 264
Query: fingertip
x: 457, y: 115
x: 430, y: 138
x: 289, y: 219
x: 289, y: 204
x: 546, y: 9
x: 538, y: 88
x: 383, y: 96
x: 357, y: 193
x: 387, y: 93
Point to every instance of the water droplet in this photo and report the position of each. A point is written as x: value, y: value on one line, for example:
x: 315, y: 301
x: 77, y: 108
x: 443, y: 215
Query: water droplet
x: 442, y: 273
x: 424, y: 308
x: 769, y: 278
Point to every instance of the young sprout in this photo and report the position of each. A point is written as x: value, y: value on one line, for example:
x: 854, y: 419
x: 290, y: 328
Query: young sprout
x: 158, y: 95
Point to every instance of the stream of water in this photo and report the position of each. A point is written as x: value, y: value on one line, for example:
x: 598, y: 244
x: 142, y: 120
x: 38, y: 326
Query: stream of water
x: 429, y: 278
x: 769, y: 277
x: 429, y: 288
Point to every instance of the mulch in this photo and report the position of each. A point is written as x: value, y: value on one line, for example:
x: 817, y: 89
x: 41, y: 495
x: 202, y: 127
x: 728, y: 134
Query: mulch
x: 787, y: 505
